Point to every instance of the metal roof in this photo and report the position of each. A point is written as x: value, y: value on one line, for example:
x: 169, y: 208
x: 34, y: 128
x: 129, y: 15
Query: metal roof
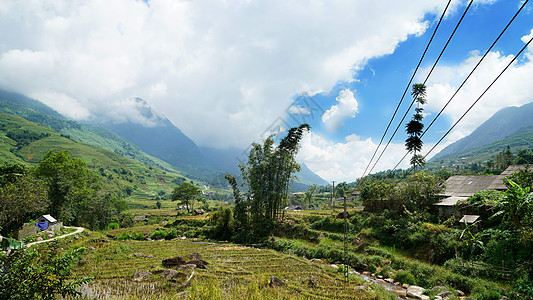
x: 467, y: 185
x: 469, y: 219
x: 498, y: 184
x: 49, y: 218
x: 450, y: 201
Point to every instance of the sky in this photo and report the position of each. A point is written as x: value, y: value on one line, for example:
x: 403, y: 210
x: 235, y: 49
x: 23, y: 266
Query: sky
x: 230, y: 72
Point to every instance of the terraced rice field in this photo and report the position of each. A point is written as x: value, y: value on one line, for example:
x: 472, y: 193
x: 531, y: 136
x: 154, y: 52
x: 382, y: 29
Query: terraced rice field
x: 233, y: 272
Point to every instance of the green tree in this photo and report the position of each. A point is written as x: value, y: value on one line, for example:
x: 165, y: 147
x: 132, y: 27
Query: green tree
x: 516, y: 206
x: 420, y: 191
x: 414, y: 128
x: 28, y: 274
x: 240, y: 212
x: 72, y: 187
x: 22, y: 197
x: 186, y: 193
x: 309, y: 194
x: 268, y: 175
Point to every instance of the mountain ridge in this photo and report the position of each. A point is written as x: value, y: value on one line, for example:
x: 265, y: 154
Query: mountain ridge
x: 504, y: 123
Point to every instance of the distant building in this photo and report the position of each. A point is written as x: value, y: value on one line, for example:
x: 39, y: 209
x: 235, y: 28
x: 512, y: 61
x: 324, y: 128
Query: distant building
x: 293, y: 208
x: 141, y: 218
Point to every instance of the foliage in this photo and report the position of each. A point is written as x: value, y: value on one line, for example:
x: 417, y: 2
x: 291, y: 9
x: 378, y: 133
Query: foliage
x: 223, y: 223
x: 22, y: 197
x: 186, y: 193
x: 267, y: 176
x: 72, y: 187
x: 404, y: 277
x: 374, y: 189
x: 311, y: 190
x: 516, y: 206
x: 414, y: 128
x: 420, y: 191
x: 39, y: 275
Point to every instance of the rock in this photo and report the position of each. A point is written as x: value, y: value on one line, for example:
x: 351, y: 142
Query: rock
x: 276, y: 282
x: 334, y: 266
x: 366, y: 273
x: 172, y: 262
x: 380, y: 277
x: 141, y: 276
x: 91, y: 248
x: 405, y: 285
x: 389, y: 280
x: 439, y: 289
x: 310, y: 281
x: 39, y: 239
x: 437, y: 298
x: 415, y: 291
x: 200, y: 264
x: 400, y: 293
x: 423, y: 297
x: 460, y: 293
x: 187, y: 267
x: 445, y: 295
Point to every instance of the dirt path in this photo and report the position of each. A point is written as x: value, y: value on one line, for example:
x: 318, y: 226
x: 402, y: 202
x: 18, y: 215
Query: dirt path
x: 78, y: 230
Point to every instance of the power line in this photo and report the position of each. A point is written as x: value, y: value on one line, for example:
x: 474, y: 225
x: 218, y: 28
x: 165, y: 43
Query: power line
x: 467, y: 77
x: 471, y: 106
x: 408, y: 85
x: 432, y: 68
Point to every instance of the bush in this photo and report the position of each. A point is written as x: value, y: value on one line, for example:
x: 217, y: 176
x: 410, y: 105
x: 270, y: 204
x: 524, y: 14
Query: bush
x: 113, y: 225
x: 28, y: 274
x: 404, y: 277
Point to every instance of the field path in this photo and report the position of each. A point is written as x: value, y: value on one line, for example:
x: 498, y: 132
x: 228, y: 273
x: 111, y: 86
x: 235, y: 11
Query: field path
x: 78, y: 230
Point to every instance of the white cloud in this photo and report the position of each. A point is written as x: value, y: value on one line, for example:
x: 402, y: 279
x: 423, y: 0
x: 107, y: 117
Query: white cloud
x: 513, y: 88
x: 333, y: 118
x: 222, y: 71
x: 347, y: 161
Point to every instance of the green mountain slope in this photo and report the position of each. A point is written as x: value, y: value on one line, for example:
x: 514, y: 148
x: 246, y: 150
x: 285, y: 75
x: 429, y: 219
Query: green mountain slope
x: 505, y: 123
x: 22, y: 141
x: 41, y: 114
x: 521, y: 141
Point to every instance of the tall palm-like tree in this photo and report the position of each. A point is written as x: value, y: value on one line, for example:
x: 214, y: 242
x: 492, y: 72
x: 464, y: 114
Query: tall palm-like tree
x: 414, y: 128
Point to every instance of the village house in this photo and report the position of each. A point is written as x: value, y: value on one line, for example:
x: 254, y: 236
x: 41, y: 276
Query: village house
x: 460, y: 187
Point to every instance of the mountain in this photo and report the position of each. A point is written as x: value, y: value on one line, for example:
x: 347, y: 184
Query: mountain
x: 34, y: 111
x: 228, y: 160
x: 22, y: 141
x: 505, y: 123
x: 163, y: 140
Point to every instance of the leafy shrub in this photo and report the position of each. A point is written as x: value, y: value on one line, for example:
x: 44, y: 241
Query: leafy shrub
x: 113, y: 225
x: 158, y: 235
x: 404, y: 277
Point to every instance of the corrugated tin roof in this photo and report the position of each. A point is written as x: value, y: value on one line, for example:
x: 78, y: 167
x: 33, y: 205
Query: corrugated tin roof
x: 469, y: 219
x: 49, y: 218
x: 450, y: 201
x: 498, y: 184
x: 467, y: 185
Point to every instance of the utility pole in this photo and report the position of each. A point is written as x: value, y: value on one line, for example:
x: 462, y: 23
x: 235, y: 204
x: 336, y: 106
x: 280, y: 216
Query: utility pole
x: 332, y: 196
x: 346, y: 278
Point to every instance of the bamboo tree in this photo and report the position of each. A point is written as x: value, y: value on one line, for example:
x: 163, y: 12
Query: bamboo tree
x: 414, y: 128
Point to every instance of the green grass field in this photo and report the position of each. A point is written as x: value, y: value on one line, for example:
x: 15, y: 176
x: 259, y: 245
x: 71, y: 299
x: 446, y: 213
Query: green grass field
x: 233, y: 272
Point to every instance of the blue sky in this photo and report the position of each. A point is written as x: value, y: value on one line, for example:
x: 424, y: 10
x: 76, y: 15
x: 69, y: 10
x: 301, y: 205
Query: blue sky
x: 226, y: 72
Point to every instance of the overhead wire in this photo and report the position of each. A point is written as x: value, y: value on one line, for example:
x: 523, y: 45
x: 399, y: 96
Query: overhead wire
x: 484, y: 92
x: 408, y: 85
x: 468, y: 77
x: 427, y: 77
